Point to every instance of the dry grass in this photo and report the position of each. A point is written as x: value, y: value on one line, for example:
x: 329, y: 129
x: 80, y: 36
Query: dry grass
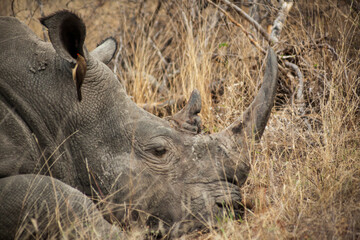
x: 305, y: 178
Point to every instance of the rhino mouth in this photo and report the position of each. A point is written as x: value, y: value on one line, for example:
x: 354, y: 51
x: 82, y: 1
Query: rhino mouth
x: 231, y: 200
x: 224, y: 202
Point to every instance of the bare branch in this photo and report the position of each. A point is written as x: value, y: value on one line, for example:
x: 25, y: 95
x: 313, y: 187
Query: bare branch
x: 250, y: 37
x: 280, y: 20
x: 166, y: 106
x: 256, y: 25
x: 299, y: 93
x: 41, y: 7
x: 13, y: 8
x: 117, y: 62
x: 151, y: 41
x: 214, y: 21
x: 330, y: 48
x: 153, y: 18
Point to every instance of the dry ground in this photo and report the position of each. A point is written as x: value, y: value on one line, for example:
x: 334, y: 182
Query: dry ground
x: 305, y: 178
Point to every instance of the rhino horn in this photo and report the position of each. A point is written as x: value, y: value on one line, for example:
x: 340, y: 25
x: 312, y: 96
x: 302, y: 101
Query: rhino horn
x: 251, y: 124
x: 187, y: 119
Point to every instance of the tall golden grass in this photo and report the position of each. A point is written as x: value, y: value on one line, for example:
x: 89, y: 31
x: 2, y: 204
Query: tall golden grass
x: 305, y: 176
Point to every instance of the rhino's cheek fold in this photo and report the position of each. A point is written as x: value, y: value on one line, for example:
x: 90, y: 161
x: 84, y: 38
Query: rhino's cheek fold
x: 178, y: 204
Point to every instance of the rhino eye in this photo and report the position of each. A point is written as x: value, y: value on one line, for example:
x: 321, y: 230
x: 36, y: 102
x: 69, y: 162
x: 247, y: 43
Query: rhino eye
x: 158, y: 151
x: 158, y: 147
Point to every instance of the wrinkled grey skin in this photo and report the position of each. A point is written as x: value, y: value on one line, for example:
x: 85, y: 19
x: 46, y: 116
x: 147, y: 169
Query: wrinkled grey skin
x: 105, y: 146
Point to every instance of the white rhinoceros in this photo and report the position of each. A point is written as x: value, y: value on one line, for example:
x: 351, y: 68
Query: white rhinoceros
x: 59, y: 156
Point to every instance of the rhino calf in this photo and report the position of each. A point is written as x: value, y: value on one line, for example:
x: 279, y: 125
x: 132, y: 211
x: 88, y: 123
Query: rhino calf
x: 70, y: 133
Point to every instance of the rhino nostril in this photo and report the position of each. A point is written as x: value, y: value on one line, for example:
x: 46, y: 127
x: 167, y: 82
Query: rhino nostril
x: 232, y: 179
x: 221, y: 205
x: 234, y: 209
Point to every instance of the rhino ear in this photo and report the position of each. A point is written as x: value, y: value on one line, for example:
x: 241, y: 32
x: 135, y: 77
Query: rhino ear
x: 187, y: 119
x: 67, y: 34
x: 105, y: 51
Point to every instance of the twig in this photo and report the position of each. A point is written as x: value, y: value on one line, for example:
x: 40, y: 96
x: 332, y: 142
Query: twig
x: 165, y: 106
x: 12, y: 8
x: 299, y: 93
x: 145, y: 31
x: 150, y: 78
x: 254, y: 10
x: 151, y: 41
x: 214, y: 21
x: 163, y: 85
x: 188, y: 24
x: 280, y: 20
x: 117, y: 62
x: 330, y: 48
x: 257, y: 26
x: 141, y: 7
x: 152, y: 20
x: 250, y: 37
x: 41, y: 6
x: 172, y: 75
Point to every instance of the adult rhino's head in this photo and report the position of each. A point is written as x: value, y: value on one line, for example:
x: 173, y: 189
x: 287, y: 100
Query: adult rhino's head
x: 108, y: 147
